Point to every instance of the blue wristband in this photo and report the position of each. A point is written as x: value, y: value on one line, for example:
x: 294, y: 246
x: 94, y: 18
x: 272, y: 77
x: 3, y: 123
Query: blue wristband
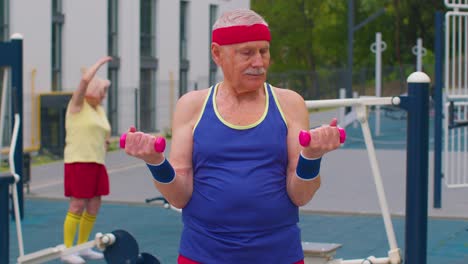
x: 163, y: 172
x: 308, y: 169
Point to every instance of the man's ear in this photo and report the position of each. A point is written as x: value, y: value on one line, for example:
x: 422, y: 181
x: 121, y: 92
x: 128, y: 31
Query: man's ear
x: 216, y: 53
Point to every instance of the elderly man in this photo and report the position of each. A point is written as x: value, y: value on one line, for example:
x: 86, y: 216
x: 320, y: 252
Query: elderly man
x: 236, y: 166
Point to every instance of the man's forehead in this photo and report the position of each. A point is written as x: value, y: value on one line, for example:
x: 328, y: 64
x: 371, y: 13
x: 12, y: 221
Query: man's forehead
x: 253, y: 44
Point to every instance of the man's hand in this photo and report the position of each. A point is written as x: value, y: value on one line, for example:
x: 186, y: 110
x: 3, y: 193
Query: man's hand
x: 323, y: 139
x: 144, y: 146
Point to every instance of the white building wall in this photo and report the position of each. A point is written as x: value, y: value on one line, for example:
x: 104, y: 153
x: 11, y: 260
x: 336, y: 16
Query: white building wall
x: 167, y: 52
x: 32, y: 19
x: 198, y: 50
x: 199, y: 46
x: 129, y: 53
x: 199, y: 33
x: 85, y: 41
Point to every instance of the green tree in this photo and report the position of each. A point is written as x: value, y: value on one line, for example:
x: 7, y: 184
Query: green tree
x: 299, y: 32
x: 307, y: 34
x: 310, y: 40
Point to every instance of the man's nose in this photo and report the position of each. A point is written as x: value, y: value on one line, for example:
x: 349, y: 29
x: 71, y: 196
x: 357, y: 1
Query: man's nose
x: 257, y: 60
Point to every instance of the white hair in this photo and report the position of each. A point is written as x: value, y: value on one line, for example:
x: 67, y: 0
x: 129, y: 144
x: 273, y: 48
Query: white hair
x: 239, y: 17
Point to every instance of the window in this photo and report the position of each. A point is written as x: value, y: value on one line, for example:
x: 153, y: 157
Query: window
x: 113, y: 99
x: 183, y: 44
x: 148, y: 66
x: 147, y: 28
x: 213, y: 67
x: 58, y: 19
x: 114, y: 65
x: 113, y: 27
x: 147, y: 102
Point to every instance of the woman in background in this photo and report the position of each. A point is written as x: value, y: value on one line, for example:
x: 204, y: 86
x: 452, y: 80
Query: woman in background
x: 85, y: 175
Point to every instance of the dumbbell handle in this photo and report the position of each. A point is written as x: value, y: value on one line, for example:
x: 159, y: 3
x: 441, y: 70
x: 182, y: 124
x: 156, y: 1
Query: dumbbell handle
x: 304, y: 137
x: 159, y: 143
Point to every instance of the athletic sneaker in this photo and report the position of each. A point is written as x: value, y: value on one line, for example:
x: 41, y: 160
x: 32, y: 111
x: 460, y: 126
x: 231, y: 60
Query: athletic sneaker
x: 72, y: 259
x: 91, y: 254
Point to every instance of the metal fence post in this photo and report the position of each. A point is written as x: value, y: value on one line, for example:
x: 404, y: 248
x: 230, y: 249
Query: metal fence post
x: 417, y: 105
x: 438, y: 107
x: 5, y: 181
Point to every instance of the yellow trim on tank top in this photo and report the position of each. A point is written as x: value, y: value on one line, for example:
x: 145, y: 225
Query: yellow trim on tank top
x: 203, y: 108
x: 236, y: 126
x: 278, y: 106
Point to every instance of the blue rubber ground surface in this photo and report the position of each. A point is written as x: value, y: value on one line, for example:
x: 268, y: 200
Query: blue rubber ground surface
x: 157, y: 231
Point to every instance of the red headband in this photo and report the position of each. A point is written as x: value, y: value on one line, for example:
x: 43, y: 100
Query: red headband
x: 239, y: 34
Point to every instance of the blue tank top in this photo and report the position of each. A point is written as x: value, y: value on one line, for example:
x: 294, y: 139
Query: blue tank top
x: 240, y: 211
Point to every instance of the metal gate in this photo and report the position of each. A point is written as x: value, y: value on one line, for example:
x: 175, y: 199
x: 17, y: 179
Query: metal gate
x: 455, y: 165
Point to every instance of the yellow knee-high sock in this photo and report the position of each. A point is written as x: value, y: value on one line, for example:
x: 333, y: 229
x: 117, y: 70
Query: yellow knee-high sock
x: 86, y: 226
x: 69, y: 228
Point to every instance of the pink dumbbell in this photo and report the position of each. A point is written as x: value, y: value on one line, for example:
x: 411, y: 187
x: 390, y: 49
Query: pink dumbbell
x: 159, y: 144
x: 304, y: 137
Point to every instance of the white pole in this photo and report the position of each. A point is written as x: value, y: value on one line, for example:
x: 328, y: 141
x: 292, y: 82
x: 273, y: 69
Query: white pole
x: 420, y: 52
x: 17, y: 178
x: 378, y: 47
x: 419, y: 55
x: 353, y: 102
x: 378, y: 64
x: 362, y: 117
x: 378, y: 78
x: 342, y: 111
x: 101, y: 241
x: 355, y: 95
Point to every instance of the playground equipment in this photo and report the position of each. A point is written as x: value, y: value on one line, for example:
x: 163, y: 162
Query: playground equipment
x: 456, y: 96
x: 419, y: 51
x: 378, y: 47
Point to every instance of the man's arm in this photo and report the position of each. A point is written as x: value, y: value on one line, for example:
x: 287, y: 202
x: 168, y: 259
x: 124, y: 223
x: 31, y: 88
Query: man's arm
x: 176, y: 188
x: 324, y: 139
x: 187, y: 110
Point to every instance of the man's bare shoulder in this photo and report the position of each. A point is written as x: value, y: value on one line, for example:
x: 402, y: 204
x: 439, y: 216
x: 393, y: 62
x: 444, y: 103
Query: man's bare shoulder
x: 191, y: 103
x: 193, y: 98
x: 287, y: 96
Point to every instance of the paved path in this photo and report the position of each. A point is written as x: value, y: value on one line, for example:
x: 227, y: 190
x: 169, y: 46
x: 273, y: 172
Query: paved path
x: 130, y: 180
x: 347, y: 184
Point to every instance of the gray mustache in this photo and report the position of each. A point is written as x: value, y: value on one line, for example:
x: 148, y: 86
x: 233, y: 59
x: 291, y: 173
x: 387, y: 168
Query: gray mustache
x: 255, y: 71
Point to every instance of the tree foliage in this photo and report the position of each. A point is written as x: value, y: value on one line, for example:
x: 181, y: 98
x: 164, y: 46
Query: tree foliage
x: 312, y: 34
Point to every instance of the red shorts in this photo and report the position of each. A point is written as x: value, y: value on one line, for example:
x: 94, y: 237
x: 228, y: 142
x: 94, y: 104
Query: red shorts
x: 183, y: 260
x: 85, y: 180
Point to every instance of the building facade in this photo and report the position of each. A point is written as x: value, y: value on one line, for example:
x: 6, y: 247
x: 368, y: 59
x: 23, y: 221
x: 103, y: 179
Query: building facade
x: 161, y: 50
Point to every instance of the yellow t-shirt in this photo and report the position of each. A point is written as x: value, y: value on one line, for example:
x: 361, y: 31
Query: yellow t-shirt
x: 86, y: 133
